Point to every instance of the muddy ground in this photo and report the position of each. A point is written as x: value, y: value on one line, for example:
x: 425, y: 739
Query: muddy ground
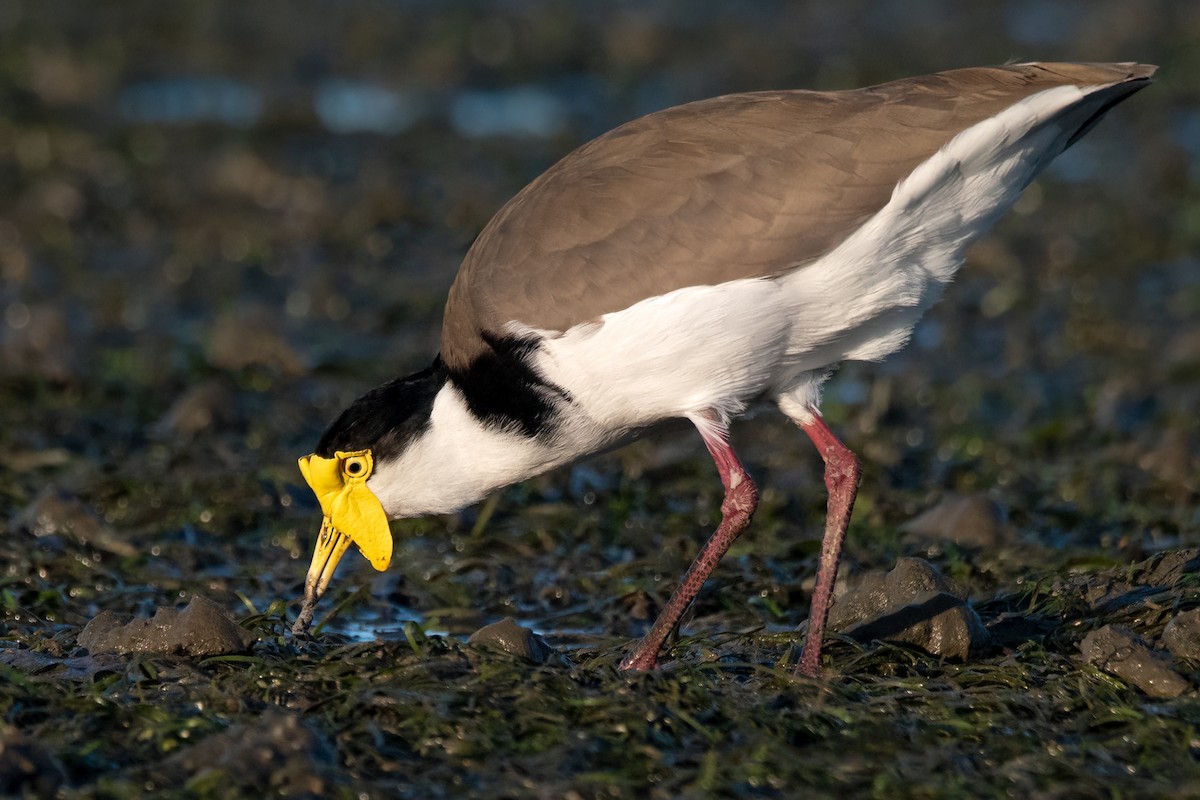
x: 219, y: 222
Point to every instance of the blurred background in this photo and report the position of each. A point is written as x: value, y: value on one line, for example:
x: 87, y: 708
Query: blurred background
x: 221, y: 221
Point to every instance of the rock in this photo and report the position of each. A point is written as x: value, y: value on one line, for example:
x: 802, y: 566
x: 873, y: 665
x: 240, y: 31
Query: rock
x: 1166, y: 568
x: 1111, y: 590
x: 1172, y: 459
x: 27, y: 768
x: 973, y: 520
x: 915, y: 604
x: 1182, y: 635
x: 1119, y: 651
x: 251, y: 338
x: 196, y: 410
x: 37, y: 341
x: 279, y: 750
x: 203, y: 628
x: 1123, y: 405
x: 56, y: 512
x: 76, y: 668
x: 507, y: 636
x: 1183, y: 348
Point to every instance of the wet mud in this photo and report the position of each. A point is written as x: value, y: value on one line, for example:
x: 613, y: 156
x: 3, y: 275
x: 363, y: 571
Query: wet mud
x: 219, y: 224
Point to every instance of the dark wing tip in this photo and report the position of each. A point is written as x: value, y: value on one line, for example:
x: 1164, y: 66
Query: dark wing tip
x: 1095, y: 72
x: 1140, y: 72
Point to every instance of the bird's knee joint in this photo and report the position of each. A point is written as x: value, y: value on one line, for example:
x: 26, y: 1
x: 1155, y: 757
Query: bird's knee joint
x: 741, y: 499
x: 842, y: 467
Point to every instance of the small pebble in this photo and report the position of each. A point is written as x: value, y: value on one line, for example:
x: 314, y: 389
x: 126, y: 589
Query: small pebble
x: 509, y: 637
x: 277, y: 749
x: 195, y: 411
x: 37, y: 340
x: 1166, y: 568
x: 55, y: 512
x: 973, y: 520
x: 251, y: 338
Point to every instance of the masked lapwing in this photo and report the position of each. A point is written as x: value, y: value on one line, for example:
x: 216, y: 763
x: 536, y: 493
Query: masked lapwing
x: 684, y: 266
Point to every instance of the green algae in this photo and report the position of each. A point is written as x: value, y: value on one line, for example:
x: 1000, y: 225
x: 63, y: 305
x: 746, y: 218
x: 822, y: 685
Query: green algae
x: 1057, y: 376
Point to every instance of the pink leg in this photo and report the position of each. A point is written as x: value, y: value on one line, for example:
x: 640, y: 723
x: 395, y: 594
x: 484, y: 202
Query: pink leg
x: 842, y: 471
x: 741, y: 498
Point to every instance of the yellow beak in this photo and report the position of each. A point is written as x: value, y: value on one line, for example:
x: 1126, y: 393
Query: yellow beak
x: 352, y: 514
x: 331, y: 546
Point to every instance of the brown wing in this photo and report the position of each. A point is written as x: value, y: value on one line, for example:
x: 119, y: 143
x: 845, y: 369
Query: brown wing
x: 741, y: 186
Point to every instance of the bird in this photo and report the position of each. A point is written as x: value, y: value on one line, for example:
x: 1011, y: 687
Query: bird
x: 688, y: 265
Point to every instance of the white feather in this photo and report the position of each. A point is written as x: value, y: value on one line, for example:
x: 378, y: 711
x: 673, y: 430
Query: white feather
x: 456, y: 462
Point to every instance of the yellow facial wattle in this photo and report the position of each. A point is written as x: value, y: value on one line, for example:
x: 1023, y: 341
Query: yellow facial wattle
x: 352, y: 514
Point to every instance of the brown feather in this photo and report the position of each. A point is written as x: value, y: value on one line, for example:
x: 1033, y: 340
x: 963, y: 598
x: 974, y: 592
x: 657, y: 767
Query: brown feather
x: 740, y: 186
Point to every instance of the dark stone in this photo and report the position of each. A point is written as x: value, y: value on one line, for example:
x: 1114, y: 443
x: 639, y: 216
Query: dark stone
x: 27, y: 768
x: 507, y: 636
x: 1166, y: 568
x: 1119, y: 651
x: 203, y: 628
x: 278, y: 750
x: 196, y: 411
x: 77, y: 668
x: 1182, y: 635
x: 914, y: 604
x: 55, y: 512
x: 1115, y: 589
x: 973, y: 520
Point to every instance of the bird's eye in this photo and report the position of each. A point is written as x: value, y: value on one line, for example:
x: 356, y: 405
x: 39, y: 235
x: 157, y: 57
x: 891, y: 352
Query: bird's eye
x: 356, y: 466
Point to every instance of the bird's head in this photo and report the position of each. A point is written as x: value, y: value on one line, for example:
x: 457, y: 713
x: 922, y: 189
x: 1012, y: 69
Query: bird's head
x: 348, y: 472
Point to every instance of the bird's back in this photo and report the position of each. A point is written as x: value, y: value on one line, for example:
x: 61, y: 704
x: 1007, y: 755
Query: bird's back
x: 741, y: 186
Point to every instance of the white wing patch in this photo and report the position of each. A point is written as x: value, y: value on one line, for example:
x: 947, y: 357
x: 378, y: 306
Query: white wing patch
x: 860, y: 302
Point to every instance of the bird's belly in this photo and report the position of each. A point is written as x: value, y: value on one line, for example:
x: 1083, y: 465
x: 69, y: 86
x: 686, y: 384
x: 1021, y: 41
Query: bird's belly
x: 694, y: 349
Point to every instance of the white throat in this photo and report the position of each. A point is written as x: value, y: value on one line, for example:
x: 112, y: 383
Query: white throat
x: 457, y: 461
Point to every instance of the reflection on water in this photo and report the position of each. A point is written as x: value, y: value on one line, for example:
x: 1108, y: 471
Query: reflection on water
x: 189, y: 100
x: 348, y: 106
x: 344, y: 105
x: 359, y: 630
x: 522, y: 111
x: 389, y: 624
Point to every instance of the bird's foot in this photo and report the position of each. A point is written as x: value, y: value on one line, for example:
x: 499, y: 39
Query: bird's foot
x: 809, y: 665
